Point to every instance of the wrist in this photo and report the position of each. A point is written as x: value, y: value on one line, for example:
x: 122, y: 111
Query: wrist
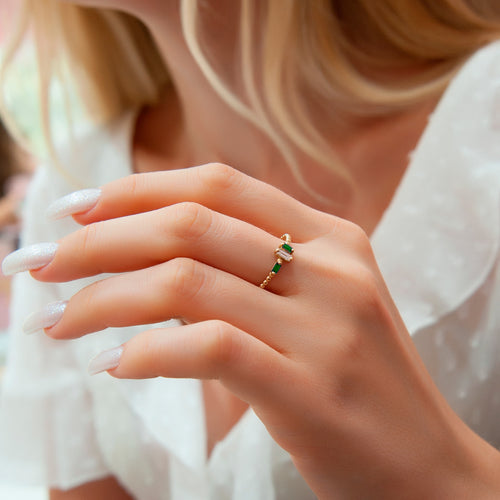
x: 468, y: 469
x: 484, y: 471
x: 471, y: 472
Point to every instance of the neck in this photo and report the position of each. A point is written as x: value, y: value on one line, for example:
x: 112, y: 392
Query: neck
x: 204, y: 121
x: 194, y: 125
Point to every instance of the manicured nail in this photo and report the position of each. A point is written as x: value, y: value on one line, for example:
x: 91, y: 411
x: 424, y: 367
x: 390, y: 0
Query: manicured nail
x: 28, y: 258
x: 105, y: 361
x: 74, y: 203
x: 45, y: 318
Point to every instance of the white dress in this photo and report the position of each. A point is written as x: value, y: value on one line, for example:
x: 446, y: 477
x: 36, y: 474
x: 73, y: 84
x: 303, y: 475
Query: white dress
x: 437, y: 246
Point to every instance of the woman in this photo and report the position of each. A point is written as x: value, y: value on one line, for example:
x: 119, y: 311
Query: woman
x: 301, y: 117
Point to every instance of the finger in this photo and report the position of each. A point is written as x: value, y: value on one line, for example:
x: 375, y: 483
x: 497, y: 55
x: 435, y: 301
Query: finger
x: 179, y: 288
x: 216, y: 186
x: 208, y: 350
x: 147, y: 239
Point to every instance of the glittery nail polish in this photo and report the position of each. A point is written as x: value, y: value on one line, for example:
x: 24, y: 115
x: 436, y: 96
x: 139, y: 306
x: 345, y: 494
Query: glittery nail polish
x: 106, y: 360
x: 73, y: 203
x: 45, y: 318
x: 29, y: 258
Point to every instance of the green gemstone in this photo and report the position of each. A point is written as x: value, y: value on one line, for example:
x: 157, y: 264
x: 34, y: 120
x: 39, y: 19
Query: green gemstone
x: 287, y: 247
x: 276, y: 267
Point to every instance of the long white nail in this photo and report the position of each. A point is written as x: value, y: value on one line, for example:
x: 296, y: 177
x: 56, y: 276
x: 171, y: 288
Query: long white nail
x: 74, y: 203
x: 28, y: 258
x: 45, y: 318
x: 105, y: 361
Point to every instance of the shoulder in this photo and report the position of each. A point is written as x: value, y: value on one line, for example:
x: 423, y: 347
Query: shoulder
x: 477, y: 81
x: 472, y: 100
x: 481, y: 69
x: 447, y: 207
x: 463, y: 136
x: 485, y: 56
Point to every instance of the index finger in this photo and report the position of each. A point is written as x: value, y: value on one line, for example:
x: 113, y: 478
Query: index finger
x: 216, y: 186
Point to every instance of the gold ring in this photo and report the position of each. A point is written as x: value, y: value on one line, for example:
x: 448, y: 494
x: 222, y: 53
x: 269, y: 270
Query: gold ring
x: 284, y: 253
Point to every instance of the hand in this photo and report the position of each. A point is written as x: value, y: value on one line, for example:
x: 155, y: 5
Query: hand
x: 321, y: 355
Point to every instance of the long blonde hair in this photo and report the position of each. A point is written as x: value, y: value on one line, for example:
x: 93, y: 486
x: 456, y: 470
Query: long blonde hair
x: 308, y: 51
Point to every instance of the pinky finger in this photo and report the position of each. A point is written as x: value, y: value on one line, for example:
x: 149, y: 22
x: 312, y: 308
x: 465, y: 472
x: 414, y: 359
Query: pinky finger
x: 248, y: 367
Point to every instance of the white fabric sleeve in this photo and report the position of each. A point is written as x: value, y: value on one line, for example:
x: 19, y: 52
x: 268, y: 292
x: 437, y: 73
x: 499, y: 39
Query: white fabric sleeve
x: 47, y: 435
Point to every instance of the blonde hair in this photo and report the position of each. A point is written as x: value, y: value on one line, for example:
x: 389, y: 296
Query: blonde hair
x: 329, y: 53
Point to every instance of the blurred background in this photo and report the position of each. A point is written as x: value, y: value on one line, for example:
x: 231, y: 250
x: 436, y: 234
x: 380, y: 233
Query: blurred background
x: 14, y: 163
x: 16, y: 168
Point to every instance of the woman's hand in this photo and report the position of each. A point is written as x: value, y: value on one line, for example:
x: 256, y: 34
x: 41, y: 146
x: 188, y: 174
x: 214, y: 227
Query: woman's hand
x: 321, y: 355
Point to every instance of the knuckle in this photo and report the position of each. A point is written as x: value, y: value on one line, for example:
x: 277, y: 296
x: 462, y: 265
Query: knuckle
x: 188, y: 279
x: 151, y: 357
x: 132, y: 185
x: 191, y: 220
x: 92, y: 300
x: 370, y: 299
x: 222, y: 344
x: 357, y: 234
x: 359, y: 239
x: 89, y: 238
x: 332, y: 224
x: 218, y: 177
x: 363, y: 277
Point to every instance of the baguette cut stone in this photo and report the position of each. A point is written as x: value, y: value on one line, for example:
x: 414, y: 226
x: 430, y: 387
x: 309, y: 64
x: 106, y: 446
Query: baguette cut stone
x: 282, y: 254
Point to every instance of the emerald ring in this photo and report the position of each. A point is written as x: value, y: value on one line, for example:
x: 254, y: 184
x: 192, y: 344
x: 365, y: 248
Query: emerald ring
x: 284, y: 253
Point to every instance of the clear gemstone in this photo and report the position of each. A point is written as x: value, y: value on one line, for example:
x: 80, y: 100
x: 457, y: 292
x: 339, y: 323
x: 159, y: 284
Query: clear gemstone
x: 282, y: 254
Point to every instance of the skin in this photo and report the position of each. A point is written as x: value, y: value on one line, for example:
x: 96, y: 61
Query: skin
x: 310, y: 353
x: 334, y: 392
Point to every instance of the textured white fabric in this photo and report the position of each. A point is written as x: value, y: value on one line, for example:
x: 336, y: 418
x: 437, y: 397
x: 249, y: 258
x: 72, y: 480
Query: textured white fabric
x: 437, y: 246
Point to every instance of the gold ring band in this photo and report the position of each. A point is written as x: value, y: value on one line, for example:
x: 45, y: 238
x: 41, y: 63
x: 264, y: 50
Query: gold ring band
x: 284, y: 253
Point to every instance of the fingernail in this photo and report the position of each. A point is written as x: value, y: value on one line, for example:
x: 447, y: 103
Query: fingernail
x: 28, y: 258
x: 74, y: 203
x: 45, y: 318
x: 105, y: 361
